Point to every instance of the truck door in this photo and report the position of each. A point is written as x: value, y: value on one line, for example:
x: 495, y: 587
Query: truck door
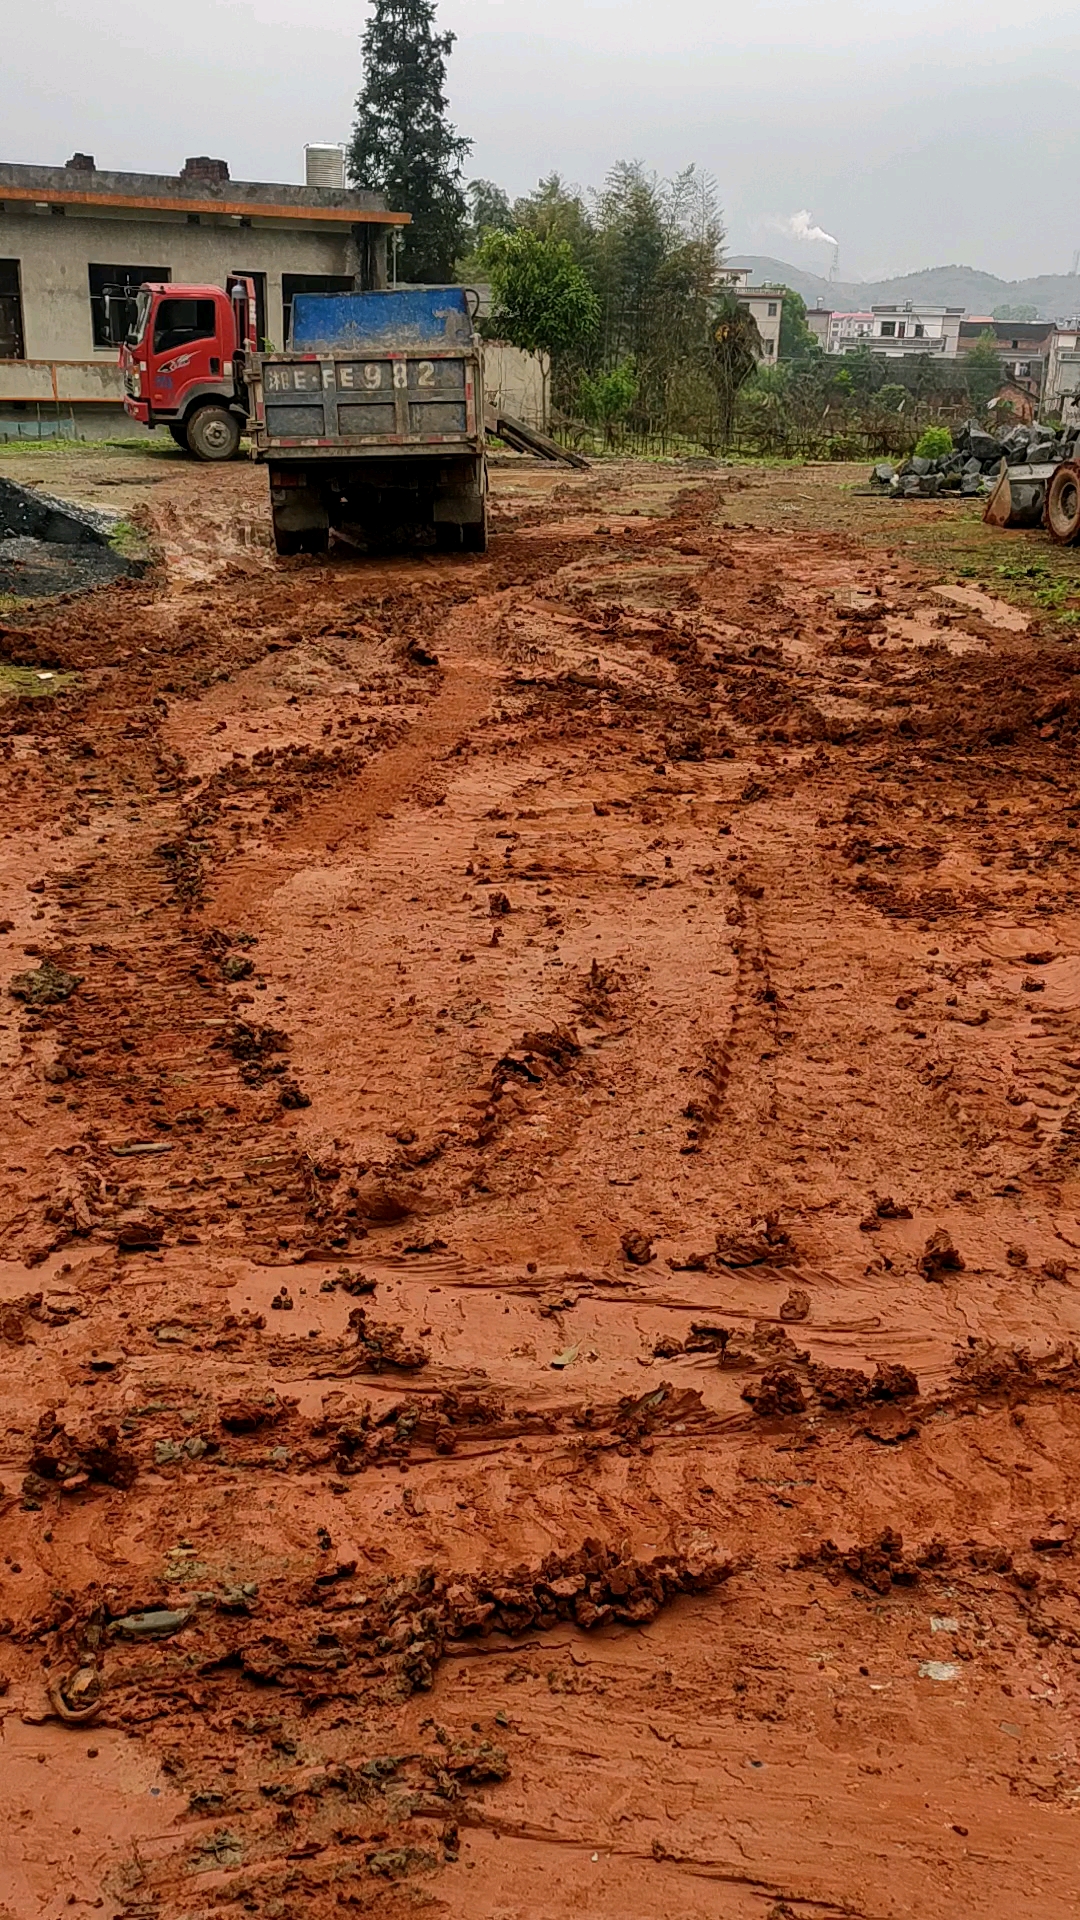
x: 185, y: 350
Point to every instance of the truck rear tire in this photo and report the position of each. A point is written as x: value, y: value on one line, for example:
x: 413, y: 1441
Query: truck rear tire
x: 179, y: 434
x: 213, y: 433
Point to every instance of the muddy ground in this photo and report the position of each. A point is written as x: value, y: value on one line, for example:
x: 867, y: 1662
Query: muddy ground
x: 541, y: 1199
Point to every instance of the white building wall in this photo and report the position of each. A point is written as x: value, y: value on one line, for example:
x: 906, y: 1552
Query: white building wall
x: 55, y: 253
x: 517, y: 382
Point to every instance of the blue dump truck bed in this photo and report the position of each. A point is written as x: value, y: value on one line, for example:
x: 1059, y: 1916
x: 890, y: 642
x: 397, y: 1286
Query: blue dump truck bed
x: 377, y: 371
x: 373, y: 418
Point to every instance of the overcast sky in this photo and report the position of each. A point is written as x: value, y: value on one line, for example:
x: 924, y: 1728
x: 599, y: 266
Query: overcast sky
x: 918, y: 132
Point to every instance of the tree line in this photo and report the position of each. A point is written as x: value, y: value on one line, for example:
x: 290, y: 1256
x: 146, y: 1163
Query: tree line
x: 621, y: 289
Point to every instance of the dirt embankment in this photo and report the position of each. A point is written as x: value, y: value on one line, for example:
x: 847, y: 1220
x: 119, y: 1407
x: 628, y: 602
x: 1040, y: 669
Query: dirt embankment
x: 540, y: 1198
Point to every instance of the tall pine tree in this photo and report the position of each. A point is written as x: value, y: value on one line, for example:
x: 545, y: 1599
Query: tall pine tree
x: 403, y: 144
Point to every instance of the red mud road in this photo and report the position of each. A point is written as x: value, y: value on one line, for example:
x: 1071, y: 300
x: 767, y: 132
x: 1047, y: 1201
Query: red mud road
x: 541, y: 1173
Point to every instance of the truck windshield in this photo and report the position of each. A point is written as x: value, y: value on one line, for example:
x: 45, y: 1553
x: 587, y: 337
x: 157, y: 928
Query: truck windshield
x: 141, y: 314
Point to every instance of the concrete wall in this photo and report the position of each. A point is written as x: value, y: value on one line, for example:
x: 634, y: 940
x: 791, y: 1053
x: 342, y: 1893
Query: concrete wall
x: 55, y: 252
x: 516, y: 381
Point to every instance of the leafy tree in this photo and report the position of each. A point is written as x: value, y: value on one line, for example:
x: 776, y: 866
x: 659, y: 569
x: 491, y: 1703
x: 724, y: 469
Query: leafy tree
x: 541, y: 299
x: 892, y: 398
x: 982, y: 370
x: 403, y: 144
x: 489, y: 209
x: 555, y: 211
x: 1016, y: 313
x: 797, y: 342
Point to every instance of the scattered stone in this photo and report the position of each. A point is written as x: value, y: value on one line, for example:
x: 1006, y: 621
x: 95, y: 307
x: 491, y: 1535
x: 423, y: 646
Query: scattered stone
x: 498, y: 903
x: 1017, y: 1256
x: 796, y: 1306
x: 157, y: 1624
x: 46, y: 986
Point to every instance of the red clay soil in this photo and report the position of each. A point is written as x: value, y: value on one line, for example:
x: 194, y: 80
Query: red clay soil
x: 541, y: 1171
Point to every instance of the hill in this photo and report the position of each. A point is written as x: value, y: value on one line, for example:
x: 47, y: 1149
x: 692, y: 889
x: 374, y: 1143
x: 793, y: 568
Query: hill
x: 1055, y: 296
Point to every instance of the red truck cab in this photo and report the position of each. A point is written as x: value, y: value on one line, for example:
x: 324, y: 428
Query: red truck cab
x: 183, y: 356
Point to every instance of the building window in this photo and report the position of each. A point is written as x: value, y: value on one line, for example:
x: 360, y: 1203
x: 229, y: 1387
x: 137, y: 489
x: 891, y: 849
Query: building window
x: 179, y: 323
x: 901, y: 329
x: 112, y: 299
x: 920, y: 332
x: 888, y: 329
x: 768, y: 346
x: 11, y: 320
x: 294, y: 283
x: 772, y: 309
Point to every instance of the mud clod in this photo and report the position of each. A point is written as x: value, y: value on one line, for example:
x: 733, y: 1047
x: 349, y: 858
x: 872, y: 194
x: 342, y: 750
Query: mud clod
x: 778, y: 1391
x: 939, y: 1257
x: 637, y: 1248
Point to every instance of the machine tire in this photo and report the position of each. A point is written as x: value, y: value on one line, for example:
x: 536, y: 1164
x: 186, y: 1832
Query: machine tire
x: 179, y: 434
x: 1063, y: 504
x: 213, y: 433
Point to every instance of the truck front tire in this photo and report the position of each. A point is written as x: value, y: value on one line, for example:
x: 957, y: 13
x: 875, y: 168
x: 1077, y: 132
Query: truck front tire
x: 213, y: 433
x: 179, y: 434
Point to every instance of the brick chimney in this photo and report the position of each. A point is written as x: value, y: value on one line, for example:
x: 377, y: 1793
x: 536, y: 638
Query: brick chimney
x: 80, y: 163
x: 215, y: 172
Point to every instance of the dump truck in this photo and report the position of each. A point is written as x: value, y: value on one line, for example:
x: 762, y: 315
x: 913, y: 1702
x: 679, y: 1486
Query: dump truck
x: 371, y: 422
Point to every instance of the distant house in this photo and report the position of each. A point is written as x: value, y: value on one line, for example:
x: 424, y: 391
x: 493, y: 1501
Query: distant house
x: 1013, y: 405
x: 765, y: 303
x: 847, y: 330
x: 818, y: 320
x: 1061, y: 383
x: 1024, y: 347
x: 909, y: 328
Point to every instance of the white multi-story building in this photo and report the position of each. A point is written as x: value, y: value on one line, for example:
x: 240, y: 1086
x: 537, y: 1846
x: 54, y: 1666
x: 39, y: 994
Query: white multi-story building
x: 765, y: 303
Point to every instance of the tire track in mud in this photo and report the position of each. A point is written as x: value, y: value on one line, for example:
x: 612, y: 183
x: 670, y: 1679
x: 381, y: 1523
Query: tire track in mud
x: 324, y: 1741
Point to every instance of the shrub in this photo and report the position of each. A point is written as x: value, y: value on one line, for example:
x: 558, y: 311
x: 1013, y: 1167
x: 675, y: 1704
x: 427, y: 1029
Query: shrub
x: 934, y: 444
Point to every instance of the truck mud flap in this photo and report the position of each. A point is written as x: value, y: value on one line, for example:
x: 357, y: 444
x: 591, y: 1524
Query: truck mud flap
x: 301, y: 519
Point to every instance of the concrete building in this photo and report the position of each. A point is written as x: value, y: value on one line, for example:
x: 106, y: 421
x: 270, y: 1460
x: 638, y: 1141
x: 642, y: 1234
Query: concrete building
x: 818, y: 319
x: 70, y: 234
x: 1061, y: 383
x: 848, y: 330
x: 765, y: 303
x: 1023, y: 346
x: 911, y: 329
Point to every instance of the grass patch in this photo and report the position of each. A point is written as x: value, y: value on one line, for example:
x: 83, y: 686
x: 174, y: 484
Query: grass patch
x: 32, y: 683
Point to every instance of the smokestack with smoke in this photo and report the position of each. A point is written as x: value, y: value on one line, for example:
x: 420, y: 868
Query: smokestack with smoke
x: 802, y: 227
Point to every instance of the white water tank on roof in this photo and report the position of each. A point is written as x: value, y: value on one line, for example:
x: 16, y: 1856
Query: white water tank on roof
x: 324, y: 167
